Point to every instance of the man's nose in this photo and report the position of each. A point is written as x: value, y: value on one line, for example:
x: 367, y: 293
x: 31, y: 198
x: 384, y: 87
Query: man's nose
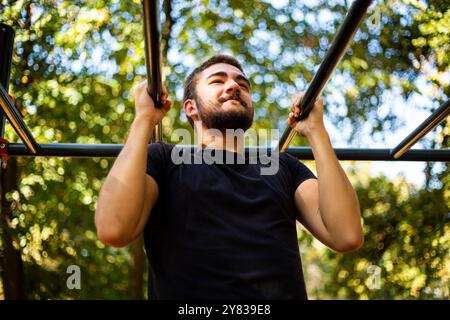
x: 232, y: 87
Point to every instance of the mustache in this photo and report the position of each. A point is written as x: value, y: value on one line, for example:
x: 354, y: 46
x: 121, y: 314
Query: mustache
x: 233, y: 97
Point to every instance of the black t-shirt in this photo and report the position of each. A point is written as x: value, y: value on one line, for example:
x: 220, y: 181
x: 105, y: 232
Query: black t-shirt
x: 223, y: 231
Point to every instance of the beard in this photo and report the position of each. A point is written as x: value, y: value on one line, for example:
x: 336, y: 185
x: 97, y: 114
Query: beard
x: 214, y: 117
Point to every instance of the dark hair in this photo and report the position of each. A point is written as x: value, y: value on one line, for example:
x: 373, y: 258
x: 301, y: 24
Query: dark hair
x: 191, y: 80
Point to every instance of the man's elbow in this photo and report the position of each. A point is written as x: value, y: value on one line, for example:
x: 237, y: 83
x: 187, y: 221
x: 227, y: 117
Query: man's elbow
x: 350, y: 243
x: 112, y: 239
x: 112, y: 236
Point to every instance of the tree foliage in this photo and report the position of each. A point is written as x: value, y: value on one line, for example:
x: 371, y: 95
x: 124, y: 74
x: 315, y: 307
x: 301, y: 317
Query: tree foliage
x: 75, y: 63
x: 406, y: 250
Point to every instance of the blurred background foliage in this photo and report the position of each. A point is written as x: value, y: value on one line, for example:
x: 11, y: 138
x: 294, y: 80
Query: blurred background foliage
x: 75, y: 63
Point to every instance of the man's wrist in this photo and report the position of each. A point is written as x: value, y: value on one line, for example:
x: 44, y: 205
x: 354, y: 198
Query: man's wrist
x: 144, y: 122
x: 317, y: 135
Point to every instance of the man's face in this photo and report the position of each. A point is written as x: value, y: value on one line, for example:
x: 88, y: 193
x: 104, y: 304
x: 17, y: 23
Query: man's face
x: 223, y: 98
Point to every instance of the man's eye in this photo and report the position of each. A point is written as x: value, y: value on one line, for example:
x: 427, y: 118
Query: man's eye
x: 217, y: 81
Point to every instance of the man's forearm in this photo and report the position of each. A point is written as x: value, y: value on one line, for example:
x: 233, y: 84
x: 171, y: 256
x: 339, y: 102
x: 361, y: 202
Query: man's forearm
x: 121, y: 197
x: 338, y: 203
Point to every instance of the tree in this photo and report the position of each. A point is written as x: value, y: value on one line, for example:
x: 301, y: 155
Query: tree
x: 75, y: 64
x: 406, y: 250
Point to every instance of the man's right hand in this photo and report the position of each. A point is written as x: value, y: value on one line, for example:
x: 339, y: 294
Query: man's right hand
x: 145, y: 107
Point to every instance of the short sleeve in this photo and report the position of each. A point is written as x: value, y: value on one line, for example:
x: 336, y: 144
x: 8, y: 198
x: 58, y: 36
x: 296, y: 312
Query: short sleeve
x: 156, y: 162
x: 299, y: 171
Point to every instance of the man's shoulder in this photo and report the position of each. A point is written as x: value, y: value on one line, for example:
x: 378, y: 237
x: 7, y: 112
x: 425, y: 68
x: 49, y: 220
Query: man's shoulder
x: 291, y: 162
x: 287, y: 158
x: 160, y: 146
x: 159, y: 150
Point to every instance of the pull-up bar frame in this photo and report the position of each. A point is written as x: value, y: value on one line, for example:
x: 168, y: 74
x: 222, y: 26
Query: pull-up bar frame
x: 153, y: 63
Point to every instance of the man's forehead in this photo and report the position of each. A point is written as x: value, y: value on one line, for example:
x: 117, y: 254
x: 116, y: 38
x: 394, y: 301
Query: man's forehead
x: 220, y: 67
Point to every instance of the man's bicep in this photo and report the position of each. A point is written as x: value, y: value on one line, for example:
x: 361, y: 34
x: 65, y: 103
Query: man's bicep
x: 307, y: 199
x: 151, y: 192
x: 308, y: 213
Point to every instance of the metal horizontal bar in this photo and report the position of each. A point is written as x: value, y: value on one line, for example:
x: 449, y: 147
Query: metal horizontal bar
x: 15, y: 119
x: 68, y: 150
x: 362, y: 154
x: 429, y: 124
x: 112, y: 150
x: 334, y: 54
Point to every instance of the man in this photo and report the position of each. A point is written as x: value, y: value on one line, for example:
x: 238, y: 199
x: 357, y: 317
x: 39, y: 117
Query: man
x: 224, y: 231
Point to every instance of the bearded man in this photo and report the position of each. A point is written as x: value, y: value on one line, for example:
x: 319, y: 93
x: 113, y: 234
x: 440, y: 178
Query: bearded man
x: 224, y: 230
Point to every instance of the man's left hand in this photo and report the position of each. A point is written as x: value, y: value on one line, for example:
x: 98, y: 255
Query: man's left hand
x: 312, y: 123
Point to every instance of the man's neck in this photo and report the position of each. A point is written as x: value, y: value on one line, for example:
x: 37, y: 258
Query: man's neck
x: 216, y: 139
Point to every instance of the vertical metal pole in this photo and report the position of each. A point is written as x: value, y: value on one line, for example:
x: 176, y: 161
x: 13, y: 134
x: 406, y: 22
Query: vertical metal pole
x: 153, y: 57
x: 6, y: 45
x: 9, y: 109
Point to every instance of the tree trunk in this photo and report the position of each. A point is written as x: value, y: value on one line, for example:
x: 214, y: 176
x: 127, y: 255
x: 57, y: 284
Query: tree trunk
x: 137, y: 269
x: 11, y: 263
x: 11, y: 260
x: 429, y: 170
x: 166, y: 30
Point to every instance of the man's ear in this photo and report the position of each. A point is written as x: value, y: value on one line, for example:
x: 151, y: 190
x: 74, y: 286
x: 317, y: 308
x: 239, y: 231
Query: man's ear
x: 190, y: 108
